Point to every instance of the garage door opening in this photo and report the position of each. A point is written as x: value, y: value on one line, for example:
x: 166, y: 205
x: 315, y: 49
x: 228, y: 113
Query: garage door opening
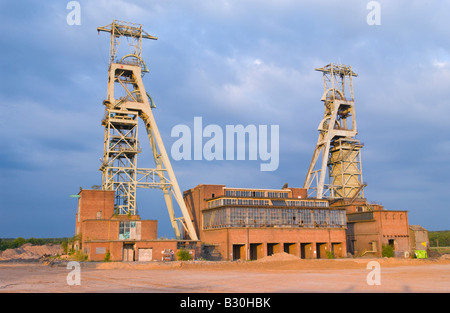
x: 256, y: 251
x: 273, y: 248
x: 238, y: 252
x: 290, y: 248
x: 306, y: 250
x: 336, y: 249
x: 321, y: 248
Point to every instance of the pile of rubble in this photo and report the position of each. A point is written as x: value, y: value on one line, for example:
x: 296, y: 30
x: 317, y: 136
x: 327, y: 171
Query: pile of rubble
x: 282, y: 256
x: 29, y: 252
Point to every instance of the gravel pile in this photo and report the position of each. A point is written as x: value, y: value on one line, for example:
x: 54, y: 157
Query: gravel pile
x: 30, y: 252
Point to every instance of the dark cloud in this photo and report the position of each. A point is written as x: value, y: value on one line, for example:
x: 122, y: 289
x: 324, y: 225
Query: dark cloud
x: 231, y: 62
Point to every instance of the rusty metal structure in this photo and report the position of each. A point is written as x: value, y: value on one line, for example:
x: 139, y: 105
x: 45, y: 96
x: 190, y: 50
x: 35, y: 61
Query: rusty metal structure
x: 337, y: 151
x: 127, y: 101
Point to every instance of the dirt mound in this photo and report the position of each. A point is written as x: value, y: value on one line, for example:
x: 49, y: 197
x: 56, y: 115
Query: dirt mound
x: 445, y: 257
x: 30, y: 252
x: 283, y: 256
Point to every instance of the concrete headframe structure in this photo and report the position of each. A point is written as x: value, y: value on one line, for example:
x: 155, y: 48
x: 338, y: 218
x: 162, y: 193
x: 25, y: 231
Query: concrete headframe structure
x: 126, y: 102
x: 337, y: 145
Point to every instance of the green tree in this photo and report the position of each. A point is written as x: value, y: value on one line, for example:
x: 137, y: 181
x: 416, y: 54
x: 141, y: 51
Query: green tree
x: 441, y: 238
x: 19, y: 241
x: 387, y: 251
x: 107, y: 256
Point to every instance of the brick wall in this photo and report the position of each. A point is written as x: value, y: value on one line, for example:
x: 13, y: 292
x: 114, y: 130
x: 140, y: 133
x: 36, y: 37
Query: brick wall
x: 96, y: 251
x: 94, y: 204
x: 195, y: 202
x: 395, y: 227
x: 386, y: 227
x: 224, y: 239
x: 149, y: 229
x: 299, y: 193
x: 100, y: 230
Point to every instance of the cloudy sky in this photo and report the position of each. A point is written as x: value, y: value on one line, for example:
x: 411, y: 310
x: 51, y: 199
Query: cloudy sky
x: 230, y: 62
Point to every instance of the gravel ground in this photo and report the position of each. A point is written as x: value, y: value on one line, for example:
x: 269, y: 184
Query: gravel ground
x: 268, y: 276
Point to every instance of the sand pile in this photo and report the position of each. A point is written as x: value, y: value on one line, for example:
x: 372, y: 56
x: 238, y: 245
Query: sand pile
x: 283, y: 256
x: 29, y: 252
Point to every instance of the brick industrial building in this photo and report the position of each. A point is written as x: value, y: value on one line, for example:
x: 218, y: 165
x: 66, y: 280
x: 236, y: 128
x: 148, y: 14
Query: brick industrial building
x: 100, y: 231
x: 244, y: 224
x: 239, y: 223
x: 370, y: 226
x: 247, y: 224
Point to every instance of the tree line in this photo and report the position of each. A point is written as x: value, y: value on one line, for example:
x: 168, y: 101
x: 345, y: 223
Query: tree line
x: 12, y: 243
x: 439, y: 238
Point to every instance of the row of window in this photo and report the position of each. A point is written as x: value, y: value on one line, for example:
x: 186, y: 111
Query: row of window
x: 257, y: 194
x: 220, y: 202
x: 304, y: 203
x: 297, y: 203
x: 268, y: 217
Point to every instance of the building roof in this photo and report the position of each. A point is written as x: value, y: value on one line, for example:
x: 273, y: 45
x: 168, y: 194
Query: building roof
x: 417, y: 228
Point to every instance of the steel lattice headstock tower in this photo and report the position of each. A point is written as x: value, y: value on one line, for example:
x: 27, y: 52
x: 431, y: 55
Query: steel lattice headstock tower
x: 337, y: 145
x: 126, y: 102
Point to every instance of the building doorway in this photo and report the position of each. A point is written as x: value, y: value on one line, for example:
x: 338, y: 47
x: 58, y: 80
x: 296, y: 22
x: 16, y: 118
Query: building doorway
x: 336, y: 249
x: 238, y: 252
x: 289, y: 248
x: 321, y: 250
x: 273, y: 248
x: 256, y: 251
x: 306, y: 250
x: 392, y: 243
x: 128, y: 253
